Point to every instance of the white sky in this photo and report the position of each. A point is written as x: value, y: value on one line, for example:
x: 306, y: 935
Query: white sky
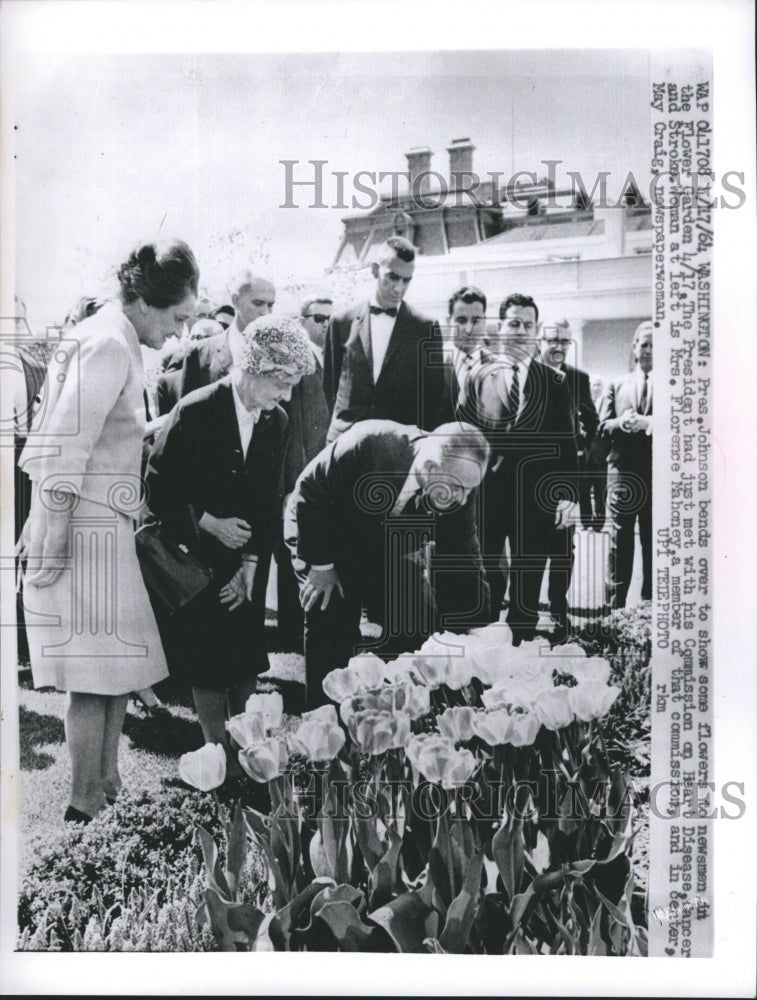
x: 110, y: 146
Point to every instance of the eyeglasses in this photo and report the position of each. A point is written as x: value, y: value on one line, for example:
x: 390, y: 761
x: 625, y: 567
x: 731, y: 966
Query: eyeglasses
x: 318, y: 317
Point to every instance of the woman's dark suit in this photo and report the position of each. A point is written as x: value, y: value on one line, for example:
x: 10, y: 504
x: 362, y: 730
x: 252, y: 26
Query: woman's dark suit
x: 198, y: 459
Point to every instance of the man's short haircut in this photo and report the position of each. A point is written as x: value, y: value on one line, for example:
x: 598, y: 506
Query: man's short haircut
x: 462, y: 439
x: 224, y: 311
x: 246, y: 279
x: 516, y: 299
x: 396, y: 246
x: 468, y: 294
x: 311, y: 302
x: 644, y: 327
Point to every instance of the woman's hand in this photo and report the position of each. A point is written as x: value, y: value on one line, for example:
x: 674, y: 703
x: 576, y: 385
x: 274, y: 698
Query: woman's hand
x: 46, y: 536
x: 232, y: 594
x: 233, y: 532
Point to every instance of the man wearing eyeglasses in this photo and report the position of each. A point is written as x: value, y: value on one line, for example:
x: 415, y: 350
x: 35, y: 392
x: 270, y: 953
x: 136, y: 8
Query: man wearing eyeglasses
x: 554, y: 343
x: 315, y: 315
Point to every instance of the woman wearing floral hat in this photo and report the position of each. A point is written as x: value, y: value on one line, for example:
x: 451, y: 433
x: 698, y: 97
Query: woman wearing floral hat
x: 217, y: 464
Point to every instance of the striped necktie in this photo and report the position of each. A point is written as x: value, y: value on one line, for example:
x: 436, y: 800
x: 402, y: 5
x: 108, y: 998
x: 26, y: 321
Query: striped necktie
x: 513, y: 399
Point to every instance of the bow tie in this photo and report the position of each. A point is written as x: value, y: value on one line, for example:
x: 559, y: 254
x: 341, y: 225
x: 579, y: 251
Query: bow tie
x: 377, y: 311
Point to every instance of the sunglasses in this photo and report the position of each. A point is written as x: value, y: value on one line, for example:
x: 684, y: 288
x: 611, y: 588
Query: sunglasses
x: 318, y: 317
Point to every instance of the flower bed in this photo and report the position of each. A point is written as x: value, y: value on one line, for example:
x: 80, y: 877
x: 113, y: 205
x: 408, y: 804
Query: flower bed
x: 453, y: 803
x: 463, y: 800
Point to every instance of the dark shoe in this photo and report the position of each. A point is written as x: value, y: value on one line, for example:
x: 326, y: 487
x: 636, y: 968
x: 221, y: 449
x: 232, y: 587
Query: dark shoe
x: 72, y: 815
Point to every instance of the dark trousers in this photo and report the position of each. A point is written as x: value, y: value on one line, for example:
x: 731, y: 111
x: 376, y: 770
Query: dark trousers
x: 528, y: 529
x: 403, y: 600
x: 629, y: 501
x: 561, y: 561
x: 289, y: 614
x: 593, y: 494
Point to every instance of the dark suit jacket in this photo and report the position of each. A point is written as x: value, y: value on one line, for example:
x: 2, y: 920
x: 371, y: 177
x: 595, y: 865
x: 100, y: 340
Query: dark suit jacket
x: 536, y: 455
x: 630, y: 452
x: 587, y: 418
x: 168, y: 391
x: 205, y: 362
x: 197, y: 459
x: 338, y: 513
x: 410, y: 386
x: 309, y: 416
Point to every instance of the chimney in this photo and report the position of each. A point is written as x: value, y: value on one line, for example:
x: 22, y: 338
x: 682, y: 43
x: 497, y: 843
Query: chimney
x: 460, y: 161
x: 419, y: 162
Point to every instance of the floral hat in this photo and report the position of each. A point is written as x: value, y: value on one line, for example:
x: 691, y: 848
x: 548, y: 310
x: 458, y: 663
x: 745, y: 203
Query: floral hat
x: 276, y: 346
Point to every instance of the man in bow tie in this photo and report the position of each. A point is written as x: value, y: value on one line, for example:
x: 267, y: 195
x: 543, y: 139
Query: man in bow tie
x: 360, y: 513
x: 382, y: 360
x: 625, y: 416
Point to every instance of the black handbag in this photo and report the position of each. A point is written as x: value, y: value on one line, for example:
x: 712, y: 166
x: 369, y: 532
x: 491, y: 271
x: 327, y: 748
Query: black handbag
x: 170, y: 571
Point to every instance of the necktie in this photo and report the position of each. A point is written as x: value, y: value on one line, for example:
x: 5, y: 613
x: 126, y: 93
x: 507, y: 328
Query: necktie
x: 377, y: 311
x: 513, y: 399
x: 644, y: 395
x: 146, y: 399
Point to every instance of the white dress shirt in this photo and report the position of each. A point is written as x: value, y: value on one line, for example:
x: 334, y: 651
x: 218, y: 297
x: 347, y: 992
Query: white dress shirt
x: 381, y: 331
x: 236, y: 341
x: 246, y: 420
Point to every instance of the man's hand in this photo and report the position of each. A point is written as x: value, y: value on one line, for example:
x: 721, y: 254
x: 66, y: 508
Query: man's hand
x: 318, y: 588
x: 641, y: 424
x: 233, y: 532
x: 46, y: 546
x: 632, y: 422
x: 565, y: 515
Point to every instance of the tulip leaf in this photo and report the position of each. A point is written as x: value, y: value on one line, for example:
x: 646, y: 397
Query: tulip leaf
x: 439, y: 876
x: 261, y: 832
x: 454, y: 937
x: 508, y: 852
x: 596, y: 944
x: 384, y: 875
x: 368, y: 841
x: 229, y: 920
x: 282, y: 924
x: 216, y: 877
x: 522, y: 905
x: 217, y: 909
x: 246, y: 919
x: 236, y: 849
x: 403, y: 920
x: 523, y: 946
x: 431, y: 944
x: 342, y: 919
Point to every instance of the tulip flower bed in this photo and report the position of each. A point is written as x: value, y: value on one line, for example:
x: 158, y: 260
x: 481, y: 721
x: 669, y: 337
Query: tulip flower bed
x: 461, y: 800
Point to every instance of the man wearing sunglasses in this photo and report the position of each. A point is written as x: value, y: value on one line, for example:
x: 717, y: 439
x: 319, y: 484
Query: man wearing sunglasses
x: 315, y: 315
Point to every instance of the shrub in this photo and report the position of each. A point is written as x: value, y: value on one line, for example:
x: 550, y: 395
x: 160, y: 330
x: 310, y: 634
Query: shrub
x: 129, y: 880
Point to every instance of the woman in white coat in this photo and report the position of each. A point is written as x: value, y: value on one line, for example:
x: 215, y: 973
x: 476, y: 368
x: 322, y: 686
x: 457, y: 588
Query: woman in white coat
x: 90, y: 624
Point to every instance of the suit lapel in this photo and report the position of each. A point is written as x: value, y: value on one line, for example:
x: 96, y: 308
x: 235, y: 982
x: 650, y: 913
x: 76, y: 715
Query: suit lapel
x: 361, y: 330
x: 397, y: 338
x: 229, y: 428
